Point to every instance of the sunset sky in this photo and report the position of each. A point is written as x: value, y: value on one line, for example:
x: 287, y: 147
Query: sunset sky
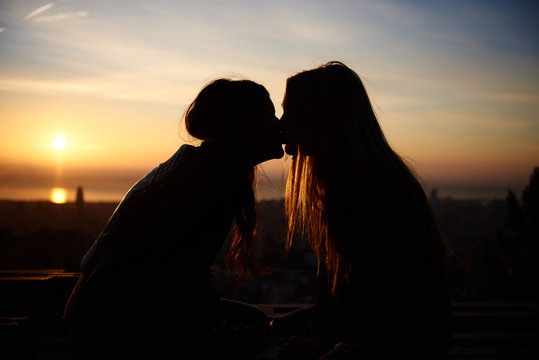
x: 455, y: 84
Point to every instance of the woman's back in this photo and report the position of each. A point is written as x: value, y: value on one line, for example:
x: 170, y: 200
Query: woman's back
x: 150, y: 267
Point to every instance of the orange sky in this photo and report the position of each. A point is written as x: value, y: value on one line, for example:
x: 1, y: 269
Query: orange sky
x: 454, y: 86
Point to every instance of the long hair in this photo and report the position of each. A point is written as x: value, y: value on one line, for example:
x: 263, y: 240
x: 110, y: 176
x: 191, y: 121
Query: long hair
x: 345, y: 177
x: 220, y: 113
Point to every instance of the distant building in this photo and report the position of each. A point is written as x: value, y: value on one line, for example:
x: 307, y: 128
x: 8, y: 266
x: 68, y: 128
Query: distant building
x: 434, y: 196
x: 80, y: 198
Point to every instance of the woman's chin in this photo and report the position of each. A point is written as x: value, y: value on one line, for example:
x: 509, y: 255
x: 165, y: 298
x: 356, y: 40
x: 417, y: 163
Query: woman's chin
x: 291, y: 149
x: 274, y: 154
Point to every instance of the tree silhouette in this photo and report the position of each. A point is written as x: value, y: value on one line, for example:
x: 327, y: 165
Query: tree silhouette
x: 524, y: 244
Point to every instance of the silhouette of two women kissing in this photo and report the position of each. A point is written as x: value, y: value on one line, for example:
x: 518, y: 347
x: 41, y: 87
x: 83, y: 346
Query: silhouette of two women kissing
x: 146, y: 284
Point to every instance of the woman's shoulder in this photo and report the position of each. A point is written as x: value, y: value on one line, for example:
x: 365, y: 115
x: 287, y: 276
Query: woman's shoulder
x: 186, y: 165
x: 185, y: 155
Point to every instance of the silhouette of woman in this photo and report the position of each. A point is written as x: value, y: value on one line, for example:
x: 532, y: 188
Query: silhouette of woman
x: 381, y: 260
x: 146, y: 281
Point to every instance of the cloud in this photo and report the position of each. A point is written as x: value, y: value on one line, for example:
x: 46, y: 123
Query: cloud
x: 38, y: 11
x: 61, y: 16
x: 37, y: 17
x: 519, y: 97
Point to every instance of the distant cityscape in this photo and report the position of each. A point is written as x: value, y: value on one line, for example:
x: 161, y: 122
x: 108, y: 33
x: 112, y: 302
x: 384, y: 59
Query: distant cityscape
x: 495, y: 245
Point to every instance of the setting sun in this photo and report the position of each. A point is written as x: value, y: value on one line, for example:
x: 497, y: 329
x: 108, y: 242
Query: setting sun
x: 59, y: 143
x: 58, y: 195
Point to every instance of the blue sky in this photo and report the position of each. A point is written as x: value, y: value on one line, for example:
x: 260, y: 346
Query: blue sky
x: 455, y: 83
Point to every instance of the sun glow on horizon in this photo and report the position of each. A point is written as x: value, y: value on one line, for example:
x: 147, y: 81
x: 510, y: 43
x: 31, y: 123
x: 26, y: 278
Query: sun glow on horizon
x: 59, y: 143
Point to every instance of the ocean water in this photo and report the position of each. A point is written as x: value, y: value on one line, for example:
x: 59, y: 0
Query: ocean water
x: 267, y: 189
x: 108, y: 191
x: 44, y: 193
